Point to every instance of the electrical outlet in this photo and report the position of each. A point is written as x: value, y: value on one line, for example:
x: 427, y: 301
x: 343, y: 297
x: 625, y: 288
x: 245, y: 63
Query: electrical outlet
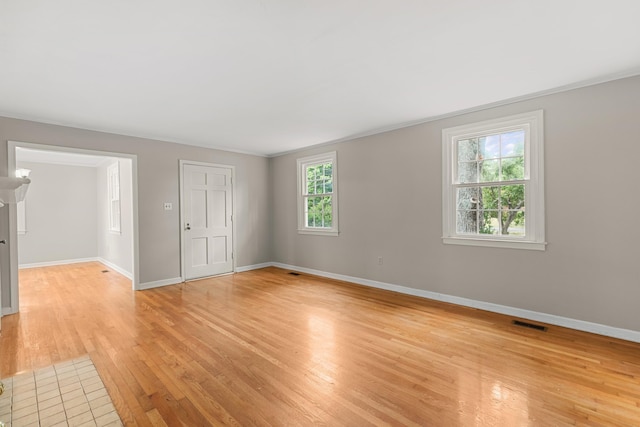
x: 168, y: 206
x: 379, y: 260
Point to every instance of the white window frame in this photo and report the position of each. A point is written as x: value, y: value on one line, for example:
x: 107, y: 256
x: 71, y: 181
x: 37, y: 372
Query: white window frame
x: 303, y: 163
x: 113, y: 197
x: 532, y: 123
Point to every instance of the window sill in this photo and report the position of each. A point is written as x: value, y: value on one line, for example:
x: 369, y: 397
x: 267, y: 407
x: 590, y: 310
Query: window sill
x: 332, y: 233
x: 491, y: 243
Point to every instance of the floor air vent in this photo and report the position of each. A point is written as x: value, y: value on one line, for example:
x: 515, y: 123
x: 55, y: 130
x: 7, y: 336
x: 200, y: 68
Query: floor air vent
x: 104, y: 271
x: 293, y: 273
x: 529, y: 325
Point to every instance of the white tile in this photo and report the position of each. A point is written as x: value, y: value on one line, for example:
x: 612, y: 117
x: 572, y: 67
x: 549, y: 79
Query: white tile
x: 46, y: 388
x: 107, y: 419
x: 48, y: 395
x: 78, y: 410
x: 19, y: 421
x: 24, y: 412
x: 101, y: 410
x: 80, y: 419
x: 23, y: 387
x: 93, y: 387
x: 96, y: 394
x: 91, y: 380
x: 69, y: 374
x: 75, y: 402
x: 50, y: 411
x: 73, y: 394
x: 49, y: 403
x: 47, y: 380
x: 68, y: 381
x: 70, y: 387
x: 96, y: 403
x: 59, y: 419
x: 24, y: 395
x: 24, y: 403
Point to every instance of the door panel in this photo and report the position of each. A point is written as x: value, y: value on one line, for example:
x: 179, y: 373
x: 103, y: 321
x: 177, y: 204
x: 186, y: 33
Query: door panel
x: 208, y: 240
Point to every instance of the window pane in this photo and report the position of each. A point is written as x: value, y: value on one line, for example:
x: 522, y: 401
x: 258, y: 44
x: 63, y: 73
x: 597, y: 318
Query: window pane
x: 467, y: 198
x: 488, y: 222
x: 328, y: 186
x: 319, y: 187
x: 513, y: 223
x: 319, y: 212
x: 466, y: 222
x: 468, y: 172
x: 467, y: 150
x: 512, y: 197
x: 327, y: 213
x: 328, y: 169
x: 489, y: 198
x: 512, y: 168
x: 489, y: 147
x: 500, y: 209
x: 512, y: 202
x: 512, y: 143
x: 489, y: 170
x: 311, y: 187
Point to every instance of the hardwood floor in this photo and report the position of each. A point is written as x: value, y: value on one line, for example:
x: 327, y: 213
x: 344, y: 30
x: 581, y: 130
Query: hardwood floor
x: 269, y: 348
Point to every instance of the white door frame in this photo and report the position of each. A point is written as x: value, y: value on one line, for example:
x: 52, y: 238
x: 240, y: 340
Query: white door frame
x: 13, y: 226
x: 183, y: 273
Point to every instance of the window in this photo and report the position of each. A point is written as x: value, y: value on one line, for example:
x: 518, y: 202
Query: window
x: 493, y: 184
x: 318, y: 195
x: 113, y: 193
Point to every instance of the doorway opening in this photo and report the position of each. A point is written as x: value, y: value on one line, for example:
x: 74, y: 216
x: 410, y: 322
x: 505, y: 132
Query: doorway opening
x: 82, y: 205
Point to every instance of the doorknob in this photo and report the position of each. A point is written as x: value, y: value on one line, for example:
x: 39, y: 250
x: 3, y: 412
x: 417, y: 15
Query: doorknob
x: 188, y: 227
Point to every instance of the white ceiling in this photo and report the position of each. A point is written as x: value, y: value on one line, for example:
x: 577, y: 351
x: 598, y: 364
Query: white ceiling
x: 270, y: 76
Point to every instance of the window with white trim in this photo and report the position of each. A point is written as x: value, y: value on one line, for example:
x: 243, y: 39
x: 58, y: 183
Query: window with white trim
x: 113, y: 194
x: 493, y: 183
x: 318, y: 194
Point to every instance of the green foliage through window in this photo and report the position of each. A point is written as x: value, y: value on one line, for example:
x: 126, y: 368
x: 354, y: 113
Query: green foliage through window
x: 319, y: 196
x: 496, y: 205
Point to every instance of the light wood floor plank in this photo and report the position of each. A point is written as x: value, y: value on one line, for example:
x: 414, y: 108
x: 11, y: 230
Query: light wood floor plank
x: 269, y: 348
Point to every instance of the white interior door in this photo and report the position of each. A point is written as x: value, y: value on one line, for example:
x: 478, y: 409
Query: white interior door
x: 207, y: 216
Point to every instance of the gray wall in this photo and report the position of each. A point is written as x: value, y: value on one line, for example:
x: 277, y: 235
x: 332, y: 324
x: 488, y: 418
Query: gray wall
x: 60, y: 214
x: 158, y: 169
x: 115, y: 248
x: 390, y: 206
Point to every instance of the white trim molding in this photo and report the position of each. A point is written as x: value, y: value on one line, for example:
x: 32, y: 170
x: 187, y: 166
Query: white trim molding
x: 303, y: 194
x: 159, y: 283
x: 566, y: 322
x: 116, y: 268
x: 455, y: 182
x: 59, y: 262
x: 253, y: 267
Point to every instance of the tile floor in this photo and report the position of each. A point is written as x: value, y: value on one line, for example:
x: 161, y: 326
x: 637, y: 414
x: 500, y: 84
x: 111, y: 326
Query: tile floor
x: 69, y: 394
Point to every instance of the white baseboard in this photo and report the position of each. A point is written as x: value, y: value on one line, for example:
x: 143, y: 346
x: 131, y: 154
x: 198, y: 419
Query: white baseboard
x: 112, y: 266
x: 253, y: 267
x: 159, y: 283
x: 580, y: 325
x: 60, y: 262
x: 8, y: 310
